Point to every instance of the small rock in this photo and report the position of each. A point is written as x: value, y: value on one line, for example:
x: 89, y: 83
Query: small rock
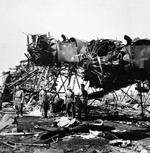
x: 129, y: 123
x: 144, y: 151
x: 126, y: 143
x: 96, y: 151
x: 136, y: 106
x: 139, y: 148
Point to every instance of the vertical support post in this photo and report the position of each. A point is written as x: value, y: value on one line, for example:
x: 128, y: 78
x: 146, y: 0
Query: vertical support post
x: 40, y: 78
x: 141, y: 100
x: 74, y: 80
x: 116, y: 99
x: 69, y: 76
x: 47, y: 69
x: 62, y: 82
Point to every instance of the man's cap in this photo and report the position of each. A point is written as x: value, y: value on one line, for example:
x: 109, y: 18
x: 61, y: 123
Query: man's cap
x: 17, y: 86
x: 69, y: 87
x: 82, y: 84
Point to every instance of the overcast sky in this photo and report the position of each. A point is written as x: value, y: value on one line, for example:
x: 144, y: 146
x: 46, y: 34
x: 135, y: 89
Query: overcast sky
x: 84, y: 19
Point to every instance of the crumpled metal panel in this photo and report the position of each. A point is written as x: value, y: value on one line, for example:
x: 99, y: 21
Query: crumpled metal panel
x: 67, y: 52
x: 142, y: 55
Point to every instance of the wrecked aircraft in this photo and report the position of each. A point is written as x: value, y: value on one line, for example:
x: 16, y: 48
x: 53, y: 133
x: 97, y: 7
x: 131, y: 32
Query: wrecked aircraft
x: 106, y: 64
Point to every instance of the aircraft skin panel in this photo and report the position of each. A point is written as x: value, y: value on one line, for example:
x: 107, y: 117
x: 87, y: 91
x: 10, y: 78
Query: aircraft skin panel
x: 142, y: 56
x: 68, y: 53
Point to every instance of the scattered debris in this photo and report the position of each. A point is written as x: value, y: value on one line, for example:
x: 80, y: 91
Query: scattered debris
x: 120, y: 142
x: 8, y: 145
x: 66, y: 122
x: 17, y: 134
x: 27, y: 144
x: 8, y: 122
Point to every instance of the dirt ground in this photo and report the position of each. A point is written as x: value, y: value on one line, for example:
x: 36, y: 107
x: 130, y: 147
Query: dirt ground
x: 121, y: 124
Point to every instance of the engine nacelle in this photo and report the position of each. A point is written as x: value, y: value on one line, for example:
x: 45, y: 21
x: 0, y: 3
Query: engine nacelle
x: 46, y: 50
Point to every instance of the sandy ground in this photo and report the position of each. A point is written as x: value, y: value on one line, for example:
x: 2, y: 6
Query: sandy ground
x: 126, y: 122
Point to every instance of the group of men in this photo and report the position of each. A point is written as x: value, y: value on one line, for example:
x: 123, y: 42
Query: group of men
x: 74, y: 104
x: 45, y: 101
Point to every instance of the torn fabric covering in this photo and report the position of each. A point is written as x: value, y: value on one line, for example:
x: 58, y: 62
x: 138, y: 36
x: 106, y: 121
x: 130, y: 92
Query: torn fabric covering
x: 66, y: 122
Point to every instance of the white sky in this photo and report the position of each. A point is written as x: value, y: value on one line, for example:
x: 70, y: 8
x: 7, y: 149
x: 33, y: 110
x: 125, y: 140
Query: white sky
x: 84, y: 19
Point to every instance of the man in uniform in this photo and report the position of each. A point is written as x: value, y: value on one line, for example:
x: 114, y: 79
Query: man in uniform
x: 69, y: 101
x: 82, y: 101
x: 50, y: 98
x: 0, y: 98
x: 43, y: 102
x: 18, y: 101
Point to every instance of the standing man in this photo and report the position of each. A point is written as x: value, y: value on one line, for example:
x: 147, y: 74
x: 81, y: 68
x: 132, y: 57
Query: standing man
x: 50, y: 98
x: 43, y: 102
x: 18, y: 101
x: 82, y: 101
x: 0, y: 98
x: 69, y: 101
